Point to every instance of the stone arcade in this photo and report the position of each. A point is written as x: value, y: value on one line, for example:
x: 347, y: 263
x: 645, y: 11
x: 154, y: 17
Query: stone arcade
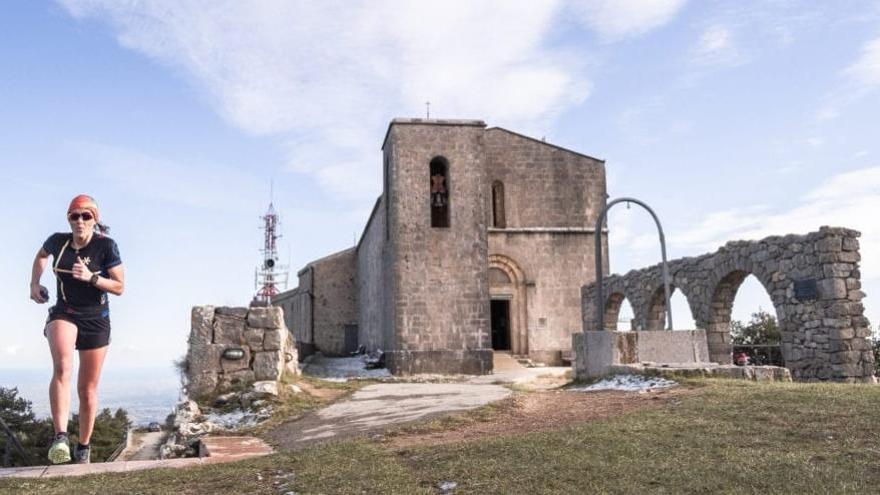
x: 813, y: 280
x: 480, y: 241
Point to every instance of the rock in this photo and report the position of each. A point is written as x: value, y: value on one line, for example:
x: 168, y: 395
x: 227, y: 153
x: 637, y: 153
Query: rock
x: 294, y: 388
x: 271, y: 317
x: 240, y: 313
x: 274, y: 339
x: 238, y: 378
x: 201, y: 384
x: 266, y: 388
x: 229, y: 330
x: 204, y: 358
x: 267, y: 366
x: 254, y: 338
x: 202, y: 329
x: 226, y: 398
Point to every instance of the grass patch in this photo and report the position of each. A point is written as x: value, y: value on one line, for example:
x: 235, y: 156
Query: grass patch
x: 729, y: 437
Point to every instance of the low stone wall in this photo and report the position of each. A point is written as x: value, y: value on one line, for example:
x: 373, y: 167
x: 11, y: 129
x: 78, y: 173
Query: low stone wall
x: 259, y: 333
x: 595, y: 353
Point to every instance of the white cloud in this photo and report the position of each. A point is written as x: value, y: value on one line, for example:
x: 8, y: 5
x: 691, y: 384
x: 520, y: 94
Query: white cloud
x: 716, y: 47
x: 619, y: 19
x: 866, y: 70
x: 860, y: 78
x: 324, y: 78
x: 850, y: 199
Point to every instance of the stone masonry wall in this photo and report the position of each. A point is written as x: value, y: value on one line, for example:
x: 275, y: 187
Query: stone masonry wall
x: 373, y: 283
x: 813, y: 281
x: 441, y: 298
x: 544, y: 185
x: 259, y: 332
x: 552, y: 197
x: 555, y: 265
x: 334, y: 302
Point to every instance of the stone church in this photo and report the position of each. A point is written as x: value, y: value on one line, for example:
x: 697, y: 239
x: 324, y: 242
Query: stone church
x: 480, y: 242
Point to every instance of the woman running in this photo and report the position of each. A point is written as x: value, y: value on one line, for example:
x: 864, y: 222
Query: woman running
x: 87, y: 266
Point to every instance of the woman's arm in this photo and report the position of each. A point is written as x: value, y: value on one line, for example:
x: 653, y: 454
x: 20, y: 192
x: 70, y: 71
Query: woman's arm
x: 114, y: 283
x: 37, y: 290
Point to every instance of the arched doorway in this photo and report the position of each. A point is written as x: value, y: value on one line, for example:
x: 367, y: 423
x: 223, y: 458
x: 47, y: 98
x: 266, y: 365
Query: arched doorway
x: 507, y: 295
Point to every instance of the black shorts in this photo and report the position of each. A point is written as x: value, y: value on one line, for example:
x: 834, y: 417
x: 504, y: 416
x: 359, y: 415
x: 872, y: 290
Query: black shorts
x: 92, y: 330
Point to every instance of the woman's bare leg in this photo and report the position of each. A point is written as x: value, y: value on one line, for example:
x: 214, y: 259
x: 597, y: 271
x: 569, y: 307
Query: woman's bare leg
x: 90, y: 363
x: 62, y: 337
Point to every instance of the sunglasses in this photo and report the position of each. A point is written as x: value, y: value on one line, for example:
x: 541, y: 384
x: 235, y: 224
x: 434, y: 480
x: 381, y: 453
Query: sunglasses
x: 86, y: 216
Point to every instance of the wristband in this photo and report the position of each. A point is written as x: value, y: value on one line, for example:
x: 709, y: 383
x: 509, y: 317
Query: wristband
x: 94, y: 279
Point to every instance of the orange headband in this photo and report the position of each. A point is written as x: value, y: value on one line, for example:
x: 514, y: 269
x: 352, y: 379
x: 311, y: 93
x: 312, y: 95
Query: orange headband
x: 84, y: 202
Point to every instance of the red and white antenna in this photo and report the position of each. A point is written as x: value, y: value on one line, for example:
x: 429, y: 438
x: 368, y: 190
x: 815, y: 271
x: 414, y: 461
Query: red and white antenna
x: 270, y: 275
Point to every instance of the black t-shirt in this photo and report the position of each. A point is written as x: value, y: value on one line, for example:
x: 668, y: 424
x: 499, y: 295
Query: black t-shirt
x: 99, y: 255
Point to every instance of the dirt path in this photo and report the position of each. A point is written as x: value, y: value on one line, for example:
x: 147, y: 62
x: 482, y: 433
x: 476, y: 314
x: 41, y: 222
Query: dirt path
x: 542, y: 411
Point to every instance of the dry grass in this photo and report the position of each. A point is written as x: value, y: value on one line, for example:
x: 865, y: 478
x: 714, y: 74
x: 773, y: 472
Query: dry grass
x: 726, y: 437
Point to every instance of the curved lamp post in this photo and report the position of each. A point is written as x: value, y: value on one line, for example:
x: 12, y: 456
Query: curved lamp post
x: 600, y: 277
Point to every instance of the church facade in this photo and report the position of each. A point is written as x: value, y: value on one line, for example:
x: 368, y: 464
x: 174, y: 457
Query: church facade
x: 480, y: 242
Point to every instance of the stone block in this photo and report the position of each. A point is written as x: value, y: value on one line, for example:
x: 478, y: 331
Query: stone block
x: 863, y: 332
x: 271, y: 317
x: 829, y: 244
x: 235, y: 312
x: 842, y: 333
x: 274, y: 340
x: 230, y: 365
x: 268, y: 365
x: 238, y: 378
x: 202, y: 325
x: 832, y: 288
x: 254, y: 338
x: 850, y: 244
x: 201, y: 384
x: 229, y: 330
x: 849, y: 257
x: 202, y: 358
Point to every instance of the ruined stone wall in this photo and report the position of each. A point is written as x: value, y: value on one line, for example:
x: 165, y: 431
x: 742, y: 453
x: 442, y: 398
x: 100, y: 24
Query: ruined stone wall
x: 373, y: 283
x: 440, y: 286
x: 813, y: 281
x: 259, y: 333
x: 334, y: 300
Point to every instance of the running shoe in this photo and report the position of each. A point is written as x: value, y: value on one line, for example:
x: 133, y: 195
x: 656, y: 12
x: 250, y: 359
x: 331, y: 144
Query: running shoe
x: 59, y: 452
x: 81, y: 455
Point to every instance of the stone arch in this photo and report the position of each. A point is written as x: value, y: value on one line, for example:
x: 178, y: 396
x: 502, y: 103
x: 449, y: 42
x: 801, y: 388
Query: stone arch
x: 721, y: 307
x: 515, y: 291
x: 612, y: 310
x: 813, y: 281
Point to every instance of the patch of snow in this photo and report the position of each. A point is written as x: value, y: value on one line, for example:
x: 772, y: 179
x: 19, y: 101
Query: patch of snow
x: 343, y: 369
x: 236, y: 419
x: 630, y: 383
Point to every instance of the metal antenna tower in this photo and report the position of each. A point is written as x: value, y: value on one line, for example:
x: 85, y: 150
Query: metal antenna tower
x: 270, y: 275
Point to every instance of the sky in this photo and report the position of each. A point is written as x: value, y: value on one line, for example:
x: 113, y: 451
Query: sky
x: 733, y: 120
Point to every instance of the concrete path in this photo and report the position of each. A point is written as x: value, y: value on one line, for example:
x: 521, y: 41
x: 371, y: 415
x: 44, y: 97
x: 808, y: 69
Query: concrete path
x: 218, y: 450
x: 378, y: 406
x: 508, y: 370
x: 146, y: 448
